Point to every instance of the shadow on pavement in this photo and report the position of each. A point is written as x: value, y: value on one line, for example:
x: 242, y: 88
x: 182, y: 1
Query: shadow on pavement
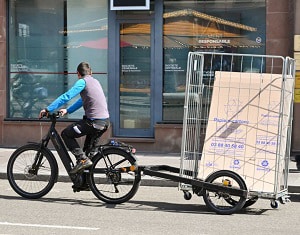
x: 142, y: 205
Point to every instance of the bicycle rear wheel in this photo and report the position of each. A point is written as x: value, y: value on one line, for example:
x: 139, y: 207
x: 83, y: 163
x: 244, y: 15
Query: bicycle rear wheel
x: 32, y: 171
x: 114, y: 176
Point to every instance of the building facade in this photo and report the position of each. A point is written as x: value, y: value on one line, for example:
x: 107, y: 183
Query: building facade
x: 139, y: 57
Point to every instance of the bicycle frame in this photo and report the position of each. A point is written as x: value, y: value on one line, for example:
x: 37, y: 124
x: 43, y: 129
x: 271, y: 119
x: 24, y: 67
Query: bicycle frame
x: 114, y: 176
x: 58, y: 145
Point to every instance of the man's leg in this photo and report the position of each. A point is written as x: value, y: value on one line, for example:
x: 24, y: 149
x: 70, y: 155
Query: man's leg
x: 92, y: 140
x: 69, y: 136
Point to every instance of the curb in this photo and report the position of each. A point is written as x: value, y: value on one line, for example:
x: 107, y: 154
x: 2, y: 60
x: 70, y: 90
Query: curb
x: 293, y: 189
x: 144, y: 181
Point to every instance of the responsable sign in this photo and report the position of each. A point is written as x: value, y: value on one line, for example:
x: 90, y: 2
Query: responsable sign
x: 119, y: 3
x: 129, y: 4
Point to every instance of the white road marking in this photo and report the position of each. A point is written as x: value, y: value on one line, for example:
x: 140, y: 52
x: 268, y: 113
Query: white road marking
x: 47, y: 226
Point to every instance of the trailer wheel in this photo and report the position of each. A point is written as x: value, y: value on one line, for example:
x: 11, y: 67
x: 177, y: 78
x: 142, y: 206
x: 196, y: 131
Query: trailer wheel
x: 187, y: 195
x: 274, y: 204
x: 219, y: 201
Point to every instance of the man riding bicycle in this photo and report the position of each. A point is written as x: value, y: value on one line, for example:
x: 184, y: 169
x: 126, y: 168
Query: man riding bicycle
x: 96, y: 117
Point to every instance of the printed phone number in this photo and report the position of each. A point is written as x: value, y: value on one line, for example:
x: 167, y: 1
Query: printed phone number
x: 262, y: 142
x: 230, y: 146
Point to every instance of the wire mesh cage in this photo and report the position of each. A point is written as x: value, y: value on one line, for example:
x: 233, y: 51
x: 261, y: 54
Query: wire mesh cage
x: 238, y: 116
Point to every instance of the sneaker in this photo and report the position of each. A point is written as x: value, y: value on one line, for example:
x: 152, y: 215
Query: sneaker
x: 82, y: 164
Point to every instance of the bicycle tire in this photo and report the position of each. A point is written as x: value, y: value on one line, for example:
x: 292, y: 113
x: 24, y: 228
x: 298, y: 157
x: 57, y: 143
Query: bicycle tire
x: 219, y: 201
x: 28, y: 184
x: 114, y: 177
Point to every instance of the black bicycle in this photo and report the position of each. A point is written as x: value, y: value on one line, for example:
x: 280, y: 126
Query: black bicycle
x: 114, y: 177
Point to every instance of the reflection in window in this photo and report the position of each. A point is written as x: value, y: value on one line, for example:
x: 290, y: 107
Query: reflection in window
x: 48, y: 40
x: 223, y: 26
x: 135, y: 75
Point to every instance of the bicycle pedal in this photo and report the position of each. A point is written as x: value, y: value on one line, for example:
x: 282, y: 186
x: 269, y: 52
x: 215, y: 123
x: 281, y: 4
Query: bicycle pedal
x: 81, y: 187
x: 78, y: 189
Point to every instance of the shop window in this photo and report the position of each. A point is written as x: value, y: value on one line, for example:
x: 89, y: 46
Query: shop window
x: 232, y: 26
x: 47, y: 40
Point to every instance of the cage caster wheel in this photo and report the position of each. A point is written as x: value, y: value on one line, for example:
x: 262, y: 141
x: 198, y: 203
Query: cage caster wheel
x: 274, y: 204
x: 187, y: 195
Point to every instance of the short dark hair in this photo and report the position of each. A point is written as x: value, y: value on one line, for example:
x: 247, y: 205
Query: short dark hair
x: 84, y: 69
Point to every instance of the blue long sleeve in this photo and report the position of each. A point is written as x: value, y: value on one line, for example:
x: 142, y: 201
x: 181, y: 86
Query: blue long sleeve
x: 75, y: 106
x: 67, y: 96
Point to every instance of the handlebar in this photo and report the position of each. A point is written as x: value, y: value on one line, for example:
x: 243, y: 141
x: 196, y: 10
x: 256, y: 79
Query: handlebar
x: 52, y: 116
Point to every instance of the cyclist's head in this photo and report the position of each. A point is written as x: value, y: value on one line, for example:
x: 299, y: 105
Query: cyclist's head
x: 84, y: 69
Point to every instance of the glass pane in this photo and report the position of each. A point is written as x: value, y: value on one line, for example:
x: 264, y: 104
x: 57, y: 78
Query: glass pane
x: 135, y: 75
x: 224, y: 26
x: 48, y: 40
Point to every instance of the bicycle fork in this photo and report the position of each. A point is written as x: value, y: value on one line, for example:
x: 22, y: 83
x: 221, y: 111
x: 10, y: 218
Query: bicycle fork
x: 37, y: 163
x: 38, y: 159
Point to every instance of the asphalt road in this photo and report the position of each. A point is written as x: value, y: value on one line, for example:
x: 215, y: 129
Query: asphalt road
x: 153, y: 210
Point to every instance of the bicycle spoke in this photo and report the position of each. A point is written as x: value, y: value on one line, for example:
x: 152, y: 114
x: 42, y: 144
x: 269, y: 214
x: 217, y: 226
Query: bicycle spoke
x: 115, y: 178
x: 31, y: 171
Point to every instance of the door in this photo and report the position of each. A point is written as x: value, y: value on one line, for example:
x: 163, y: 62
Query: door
x: 135, y: 64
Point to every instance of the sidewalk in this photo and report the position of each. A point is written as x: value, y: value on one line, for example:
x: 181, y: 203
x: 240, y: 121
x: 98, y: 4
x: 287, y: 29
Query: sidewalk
x: 146, y: 159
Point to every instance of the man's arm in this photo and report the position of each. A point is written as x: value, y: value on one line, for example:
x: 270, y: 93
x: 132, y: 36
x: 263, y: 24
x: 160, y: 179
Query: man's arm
x: 67, y: 96
x: 75, y: 106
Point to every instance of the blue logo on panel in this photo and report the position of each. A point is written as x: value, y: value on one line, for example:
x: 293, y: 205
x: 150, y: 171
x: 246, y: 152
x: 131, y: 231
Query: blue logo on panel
x: 264, y: 163
x: 264, y: 166
x: 235, y: 164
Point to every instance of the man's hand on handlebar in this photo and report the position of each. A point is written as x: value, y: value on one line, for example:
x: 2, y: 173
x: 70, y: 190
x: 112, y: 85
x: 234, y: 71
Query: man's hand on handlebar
x: 63, y: 112
x: 43, y: 113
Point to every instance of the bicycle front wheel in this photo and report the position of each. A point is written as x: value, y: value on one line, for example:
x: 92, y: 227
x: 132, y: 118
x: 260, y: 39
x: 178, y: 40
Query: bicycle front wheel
x: 32, y: 171
x: 114, y: 176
